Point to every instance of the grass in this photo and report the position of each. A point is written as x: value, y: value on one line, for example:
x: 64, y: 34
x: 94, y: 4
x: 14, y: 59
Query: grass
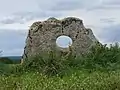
x: 80, y: 80
x: 97, y: 70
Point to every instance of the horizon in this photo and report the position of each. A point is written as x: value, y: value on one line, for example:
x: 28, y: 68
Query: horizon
x: 102, y: 16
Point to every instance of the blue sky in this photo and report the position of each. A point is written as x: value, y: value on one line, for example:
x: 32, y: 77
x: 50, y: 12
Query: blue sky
x: 102, y: 16
x: 63, y: 41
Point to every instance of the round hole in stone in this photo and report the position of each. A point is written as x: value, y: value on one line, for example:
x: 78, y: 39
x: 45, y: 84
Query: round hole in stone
x: 64, y: 41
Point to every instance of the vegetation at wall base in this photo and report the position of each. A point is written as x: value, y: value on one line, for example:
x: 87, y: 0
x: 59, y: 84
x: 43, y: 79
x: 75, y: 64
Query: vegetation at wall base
x: 97, y: 70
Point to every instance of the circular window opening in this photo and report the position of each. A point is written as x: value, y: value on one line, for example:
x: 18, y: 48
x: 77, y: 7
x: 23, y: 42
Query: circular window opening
x: 63, y: 41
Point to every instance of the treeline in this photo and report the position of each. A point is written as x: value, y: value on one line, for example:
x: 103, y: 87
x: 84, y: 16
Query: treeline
x: 6, y: 60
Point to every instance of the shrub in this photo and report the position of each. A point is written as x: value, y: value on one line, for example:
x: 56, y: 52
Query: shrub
x: 50, y: 63
x: 101, y: 56
x: 53, y: 62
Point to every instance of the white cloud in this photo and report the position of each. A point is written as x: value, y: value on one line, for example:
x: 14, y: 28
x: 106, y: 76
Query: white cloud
x: 12, y: 40
x: 8, y: 7
x: 13, y: 52
x: 102, y: 16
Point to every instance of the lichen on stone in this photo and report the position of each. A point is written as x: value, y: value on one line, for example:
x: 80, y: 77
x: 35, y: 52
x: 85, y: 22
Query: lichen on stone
x: 43, y: 34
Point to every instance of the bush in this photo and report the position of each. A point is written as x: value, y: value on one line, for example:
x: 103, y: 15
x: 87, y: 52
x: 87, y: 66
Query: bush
x: 101, y: 56
x: 52, y: 63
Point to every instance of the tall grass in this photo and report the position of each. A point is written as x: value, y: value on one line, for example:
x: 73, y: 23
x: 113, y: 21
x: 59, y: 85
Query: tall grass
x: 100, y: 57
x: 97, y: 70
x: 80, y: 80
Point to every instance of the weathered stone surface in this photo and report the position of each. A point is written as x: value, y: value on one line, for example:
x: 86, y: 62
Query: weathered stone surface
x: 42, y: 35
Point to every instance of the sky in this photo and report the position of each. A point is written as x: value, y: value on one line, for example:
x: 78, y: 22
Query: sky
x: 64, y: 41
x: 102, y: 16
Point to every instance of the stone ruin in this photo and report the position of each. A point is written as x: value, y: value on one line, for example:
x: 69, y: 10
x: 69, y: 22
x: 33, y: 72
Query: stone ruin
x: 42, y: 35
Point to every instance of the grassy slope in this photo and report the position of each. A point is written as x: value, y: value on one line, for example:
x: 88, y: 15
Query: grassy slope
x: 80, y: 80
